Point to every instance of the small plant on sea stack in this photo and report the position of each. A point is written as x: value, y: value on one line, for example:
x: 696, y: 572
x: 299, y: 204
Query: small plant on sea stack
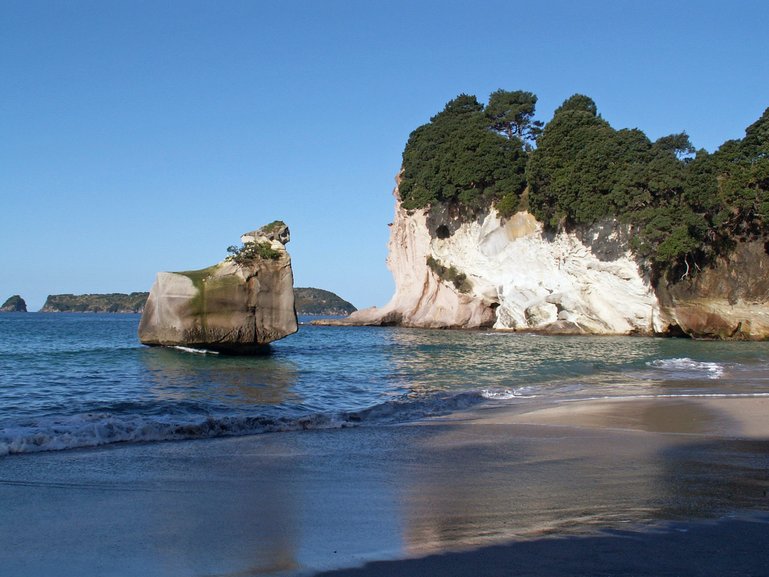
x: 250, y: 251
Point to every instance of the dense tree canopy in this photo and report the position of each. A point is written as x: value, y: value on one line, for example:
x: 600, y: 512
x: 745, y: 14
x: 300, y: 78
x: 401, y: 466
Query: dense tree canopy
x: 511, y: 113
x: 459, y: 158
x: 576, y: 171
x: 683, y: 208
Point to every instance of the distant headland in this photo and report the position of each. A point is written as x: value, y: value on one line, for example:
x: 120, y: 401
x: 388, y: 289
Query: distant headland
x: 96, y: 303
x: 319, y: 302
x: 309, y: 302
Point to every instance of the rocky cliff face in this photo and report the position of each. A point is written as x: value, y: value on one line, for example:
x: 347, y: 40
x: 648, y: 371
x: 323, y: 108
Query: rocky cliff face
x: 14, y: 304
x: 729, y: 300
x: 510, y: 274
x: 236, y: 306
x: 421, y: 298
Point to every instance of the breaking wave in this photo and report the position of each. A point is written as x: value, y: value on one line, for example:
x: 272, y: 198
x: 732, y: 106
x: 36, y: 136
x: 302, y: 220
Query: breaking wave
x: 688, y: 368
x: 507, y: 394
x: 99, y: 429
x: 195, y: 351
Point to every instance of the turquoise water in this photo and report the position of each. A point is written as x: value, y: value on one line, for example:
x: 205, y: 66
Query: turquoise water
x: 81, y: 380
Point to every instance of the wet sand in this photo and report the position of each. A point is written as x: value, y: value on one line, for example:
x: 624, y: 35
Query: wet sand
x: 580, y: 488
x: 735, y: 547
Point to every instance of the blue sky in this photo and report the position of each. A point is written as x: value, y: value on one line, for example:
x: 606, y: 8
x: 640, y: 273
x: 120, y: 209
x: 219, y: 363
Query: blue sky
x: 145, y: 136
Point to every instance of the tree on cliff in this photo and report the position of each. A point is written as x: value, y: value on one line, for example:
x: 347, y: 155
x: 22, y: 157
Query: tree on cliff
x: 511, y: 113
x: 458, y: 158
x: 742, y: 170
x: 684, y: 208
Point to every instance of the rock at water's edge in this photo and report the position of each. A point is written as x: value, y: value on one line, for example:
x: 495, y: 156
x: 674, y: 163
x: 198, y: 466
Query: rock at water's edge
x: 507, y: 274
x: 236, y: 306
x: 14, y: 304
x: 727, y: 300
x: 510, y: 274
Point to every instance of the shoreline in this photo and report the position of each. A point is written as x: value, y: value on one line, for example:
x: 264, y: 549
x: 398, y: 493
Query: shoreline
x: 729, y: 546
x: 472, y: 489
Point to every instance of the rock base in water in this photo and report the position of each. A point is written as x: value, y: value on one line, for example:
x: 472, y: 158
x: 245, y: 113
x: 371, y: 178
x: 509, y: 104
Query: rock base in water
x: 237, y: 306
x: 14, y: 304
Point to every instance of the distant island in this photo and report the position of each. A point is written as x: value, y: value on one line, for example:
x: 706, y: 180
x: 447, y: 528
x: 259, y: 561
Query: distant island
x: 309, y: 301
x: 96, y: 303
x: 14, y: 304
x: 317, y: 302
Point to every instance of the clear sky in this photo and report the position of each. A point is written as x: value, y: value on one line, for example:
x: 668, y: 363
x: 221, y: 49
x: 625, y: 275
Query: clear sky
x: 140, y: 136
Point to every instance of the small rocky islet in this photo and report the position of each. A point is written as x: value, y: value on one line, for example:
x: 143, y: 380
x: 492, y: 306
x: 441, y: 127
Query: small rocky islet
x: 14, y: 304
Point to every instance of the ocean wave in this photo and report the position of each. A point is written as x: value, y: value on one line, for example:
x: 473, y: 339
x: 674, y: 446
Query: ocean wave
x: 195, y: 351
x: 506, y: 394
x: 685, y: 396
x: 99, y: 429
x: 686, y: 367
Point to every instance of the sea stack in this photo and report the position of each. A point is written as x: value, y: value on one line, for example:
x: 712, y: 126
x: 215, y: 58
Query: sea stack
x: 14, y: 304
x: 237, y: 306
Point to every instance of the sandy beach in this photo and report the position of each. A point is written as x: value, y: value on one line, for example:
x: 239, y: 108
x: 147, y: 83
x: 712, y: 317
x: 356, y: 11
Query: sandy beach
x: 621, y: 487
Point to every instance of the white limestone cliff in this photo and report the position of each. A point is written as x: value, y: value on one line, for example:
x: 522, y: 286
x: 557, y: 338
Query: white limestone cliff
x: 520, y: 279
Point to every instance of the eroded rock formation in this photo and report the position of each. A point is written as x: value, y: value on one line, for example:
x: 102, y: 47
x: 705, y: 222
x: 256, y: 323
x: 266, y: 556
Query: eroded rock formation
x: 236, y: 306
x: 728, y: 300
x: 453, y: 272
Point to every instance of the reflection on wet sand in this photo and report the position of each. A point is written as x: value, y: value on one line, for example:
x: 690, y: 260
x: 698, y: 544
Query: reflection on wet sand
x: 222, y: 515
x: 323, y: 499
x: 580, y: 467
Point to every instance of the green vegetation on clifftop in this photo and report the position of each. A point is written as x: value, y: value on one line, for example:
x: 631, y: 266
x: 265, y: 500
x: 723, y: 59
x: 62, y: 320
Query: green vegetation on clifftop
x: 466, y: 156
x: 250, y: 251
x: 96, y: 303
x: 684, y: 207
x: 313, y: 301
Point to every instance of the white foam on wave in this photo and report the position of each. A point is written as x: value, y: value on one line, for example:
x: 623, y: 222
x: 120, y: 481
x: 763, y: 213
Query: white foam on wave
x: 98, y: 429
x: 687, y: 367
x: 505, y: 394
x: 195, y: 351
x: 671, y: 396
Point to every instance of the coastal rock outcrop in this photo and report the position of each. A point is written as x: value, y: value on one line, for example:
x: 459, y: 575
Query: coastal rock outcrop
x: 510, y: 274
x: 573, y: 226
x: 422, y: 298
x: 237, y: 306
x: 14, y: 304
x: 727, y: 300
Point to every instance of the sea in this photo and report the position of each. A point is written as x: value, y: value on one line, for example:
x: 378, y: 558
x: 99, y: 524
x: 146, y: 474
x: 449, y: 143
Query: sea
x: 79, y: 380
